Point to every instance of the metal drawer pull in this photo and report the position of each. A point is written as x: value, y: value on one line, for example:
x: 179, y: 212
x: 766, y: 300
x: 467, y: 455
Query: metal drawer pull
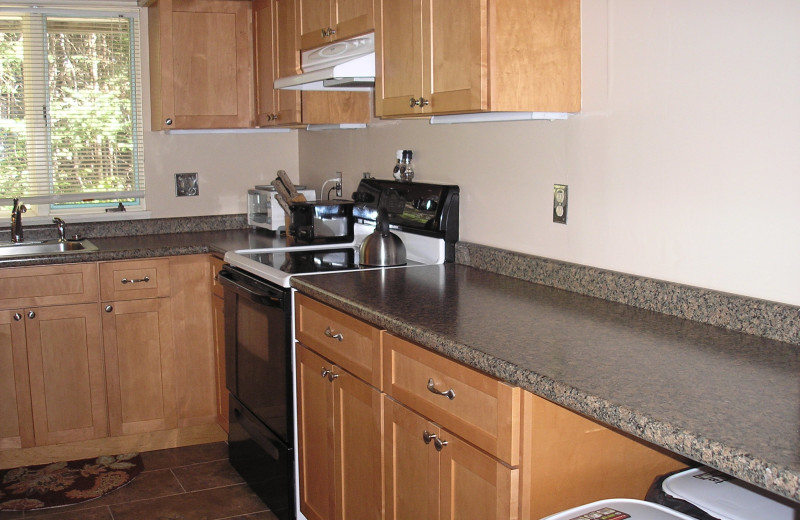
x: 338, y: 336
x: 428, y: 436
x: 135, y: 280
x: 17, y: 316
x: 439, y: 444
x: 450, y: 394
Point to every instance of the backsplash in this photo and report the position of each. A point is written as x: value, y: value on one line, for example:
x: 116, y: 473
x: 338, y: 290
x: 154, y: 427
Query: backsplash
x: 763, y: 318
x: 120, y: 228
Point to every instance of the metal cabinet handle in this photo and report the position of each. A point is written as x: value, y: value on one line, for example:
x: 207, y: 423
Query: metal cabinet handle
x: 17, y: 316
x: 428, y: 436
x: 330, y: 31
x: 338, y: 336
x: 450, y: 394
x: 31, y: 314
x: 421, y: 102
x: 109, y: 308
x: 135, y: 280
x: 329, y: 374
x: 439, y: 444
x: 168, y: 121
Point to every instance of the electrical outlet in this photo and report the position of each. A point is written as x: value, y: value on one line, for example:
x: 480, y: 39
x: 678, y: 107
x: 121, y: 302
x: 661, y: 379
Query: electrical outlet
x: 186, y: 185
x: 339, y: 184
x: 560, y: 203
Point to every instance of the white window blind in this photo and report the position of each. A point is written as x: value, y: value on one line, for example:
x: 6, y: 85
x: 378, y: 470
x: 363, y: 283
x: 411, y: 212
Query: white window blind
x: 70, y: 109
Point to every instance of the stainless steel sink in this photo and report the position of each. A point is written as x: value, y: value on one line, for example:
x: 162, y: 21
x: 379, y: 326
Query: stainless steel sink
x: 49, y: 247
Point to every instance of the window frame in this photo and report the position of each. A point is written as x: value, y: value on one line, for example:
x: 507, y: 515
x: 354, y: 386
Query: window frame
x: 40, y: 207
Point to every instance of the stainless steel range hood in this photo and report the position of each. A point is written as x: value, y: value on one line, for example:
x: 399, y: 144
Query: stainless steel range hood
x: 345, y: 65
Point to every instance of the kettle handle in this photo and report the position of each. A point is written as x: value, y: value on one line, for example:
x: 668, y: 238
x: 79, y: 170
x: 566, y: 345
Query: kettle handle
x: 382, y: 226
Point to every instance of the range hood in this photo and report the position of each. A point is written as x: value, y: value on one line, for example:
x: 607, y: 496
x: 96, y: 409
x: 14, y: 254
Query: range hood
x: 344, y: 65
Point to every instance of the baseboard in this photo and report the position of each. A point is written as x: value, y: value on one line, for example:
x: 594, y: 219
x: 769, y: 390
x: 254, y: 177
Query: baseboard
x: 160, y: 440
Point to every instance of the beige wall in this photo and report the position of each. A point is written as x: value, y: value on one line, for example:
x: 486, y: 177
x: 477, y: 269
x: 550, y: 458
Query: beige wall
x: 683, y: 165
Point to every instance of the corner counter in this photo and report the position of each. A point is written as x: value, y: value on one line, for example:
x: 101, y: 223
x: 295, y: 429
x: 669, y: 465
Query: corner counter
x: 722, y: 398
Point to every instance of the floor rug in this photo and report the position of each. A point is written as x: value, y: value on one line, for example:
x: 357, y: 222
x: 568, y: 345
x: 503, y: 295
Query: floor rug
x: 66, y: 483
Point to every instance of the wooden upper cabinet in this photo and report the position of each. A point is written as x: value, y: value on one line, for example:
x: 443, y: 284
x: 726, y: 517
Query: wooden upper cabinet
x: 276, y: 55
x: 201, y: 68
x: 433, y: 57
x: 324, y: 21
x: 463, y: 56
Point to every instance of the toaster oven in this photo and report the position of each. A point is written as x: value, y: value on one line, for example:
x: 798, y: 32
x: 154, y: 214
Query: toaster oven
x: 263, y: 211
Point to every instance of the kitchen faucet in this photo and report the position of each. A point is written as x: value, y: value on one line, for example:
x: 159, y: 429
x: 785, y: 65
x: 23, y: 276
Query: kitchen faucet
x: 16, y: 220
x: 62, y: 229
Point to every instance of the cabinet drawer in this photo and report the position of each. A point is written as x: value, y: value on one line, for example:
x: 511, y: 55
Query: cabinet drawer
x: 483, y: 410
x: 346, y: 341
x: 134, y: 279
x: 48, y: 285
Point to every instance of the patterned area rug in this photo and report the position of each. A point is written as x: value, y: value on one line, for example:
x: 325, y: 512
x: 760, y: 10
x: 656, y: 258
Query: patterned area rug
x: 65, y: 483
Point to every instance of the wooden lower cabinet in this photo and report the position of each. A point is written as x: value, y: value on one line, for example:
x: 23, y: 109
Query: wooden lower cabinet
x: 16, y: 421
x: 339, y: 431
x: 218, y: 312
x: 193, y: 331
x: 65, y: 364
x: 431, y: 473
x: 569, y: 460
x: 140, y: 365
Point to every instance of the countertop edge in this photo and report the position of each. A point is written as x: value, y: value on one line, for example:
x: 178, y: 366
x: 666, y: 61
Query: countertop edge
x: 769, y: 475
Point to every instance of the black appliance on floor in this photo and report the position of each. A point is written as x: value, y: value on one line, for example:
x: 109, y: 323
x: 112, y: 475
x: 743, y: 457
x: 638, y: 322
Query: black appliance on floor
x: 257, y: 372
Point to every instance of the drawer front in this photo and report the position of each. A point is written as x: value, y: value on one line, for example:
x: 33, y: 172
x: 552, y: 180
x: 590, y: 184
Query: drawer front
x: 134, y: 279
x: 48, y: 285
x: 216, y: 265
x: 346, y: 341
x: 482, y: 410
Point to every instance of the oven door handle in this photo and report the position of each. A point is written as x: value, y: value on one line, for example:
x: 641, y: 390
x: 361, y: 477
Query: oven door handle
x: 260, y: 295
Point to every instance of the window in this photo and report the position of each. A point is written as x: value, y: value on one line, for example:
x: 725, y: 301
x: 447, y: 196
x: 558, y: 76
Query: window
x: 70, y: 111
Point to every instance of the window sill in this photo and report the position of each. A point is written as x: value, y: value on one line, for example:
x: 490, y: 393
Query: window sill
x: 86, y: 217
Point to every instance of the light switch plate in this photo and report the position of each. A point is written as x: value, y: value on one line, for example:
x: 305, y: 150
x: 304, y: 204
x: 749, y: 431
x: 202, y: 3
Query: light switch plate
x: 560, y: 203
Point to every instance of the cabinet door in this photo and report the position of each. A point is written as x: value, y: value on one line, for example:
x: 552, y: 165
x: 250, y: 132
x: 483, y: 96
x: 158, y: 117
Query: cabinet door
x: 16, y: 421
x: 459, y: 54
x: 139, y: 358
x: 315, y: 435
x: 357, y: 413
x: 474, y: 485
x: 353, y: 17
x: 400, y: 57
x: 287, y: 61
x: 218, y: 310
x: 316, y: 20
x: 193, y: 333
x: 412, y: 465
x: 323, y: 21
x: 202, y: 64
x: 264, y: 51
x: 66, y: 373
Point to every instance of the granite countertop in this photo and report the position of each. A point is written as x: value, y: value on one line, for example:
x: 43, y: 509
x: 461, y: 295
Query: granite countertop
x: 722, y: 398
x: 149, y: 246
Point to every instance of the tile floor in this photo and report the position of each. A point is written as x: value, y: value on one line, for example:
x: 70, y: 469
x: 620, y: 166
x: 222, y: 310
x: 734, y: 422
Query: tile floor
x: 189, y: 483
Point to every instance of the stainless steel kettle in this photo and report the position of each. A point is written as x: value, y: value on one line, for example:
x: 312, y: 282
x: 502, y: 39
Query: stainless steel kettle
x: 382, y: 248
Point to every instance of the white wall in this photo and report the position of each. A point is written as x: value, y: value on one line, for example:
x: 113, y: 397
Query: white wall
x: 227, y: 164
x: 684, y: 164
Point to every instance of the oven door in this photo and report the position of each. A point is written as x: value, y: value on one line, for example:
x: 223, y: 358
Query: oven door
x: 258, y: 349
